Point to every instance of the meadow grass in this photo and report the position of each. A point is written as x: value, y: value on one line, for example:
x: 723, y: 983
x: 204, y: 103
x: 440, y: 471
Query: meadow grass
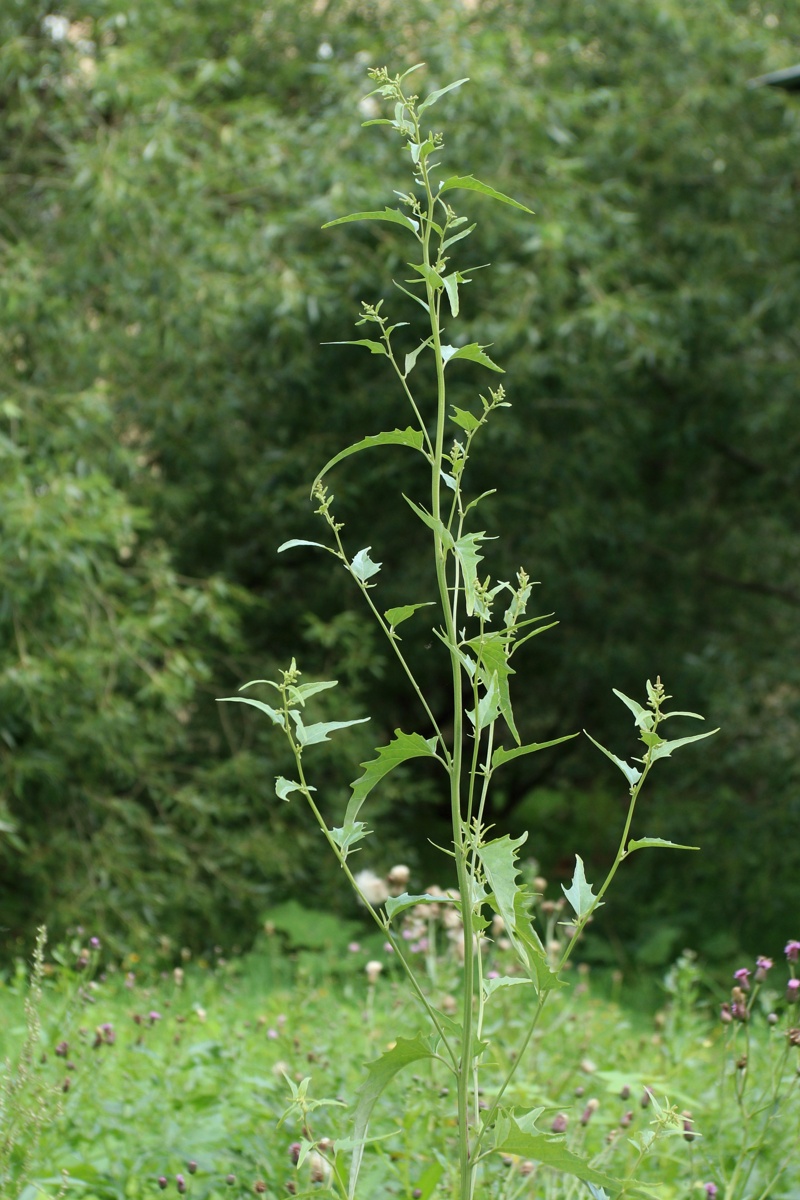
x: 180, y: 1084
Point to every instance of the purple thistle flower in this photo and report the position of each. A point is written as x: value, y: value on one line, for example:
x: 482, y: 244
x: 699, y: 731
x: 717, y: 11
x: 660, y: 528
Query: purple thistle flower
x: 153, y: 1016
x: 162, y: 1182
x: 762, y: 966
x: 793, y: 991
x: 792, y: 951
x: 742, y: 977
x: 711, y: 1191
x: 180, y: 1183
x: 94, y: 942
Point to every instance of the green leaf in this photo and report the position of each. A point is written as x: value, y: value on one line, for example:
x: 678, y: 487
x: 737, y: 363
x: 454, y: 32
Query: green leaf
x: 284, y: 787
x: 398, y: 904
x: 304, y: 691
x: 457, y: 237
x: 363, y: 567
x: 380, y: 1073
x: 311, y: 735
x: 451, y: 287
x: 498, y: 859
x: 464, y: 418
x: 274, y: 716
x: 466, y: 551
x: 471, y: 184
x: 642, y: 843
x: 372, y: 346
x: 473, y: 352
x: 488, y: 706
x: 579, y: 893
x: 395, y: 616
x: 434, y: 96
x: 491, y: 653
x: 666, y: 748
x: 501, y: 756
x: 302, y: 542
x: 346, y: 836
x: 491, y: 985
x: 553, y: 1152
x: 642, y: 716
x: 631, y: 773
x: 411, y: 358
x: 402, y: 748
x: 412, y: 438
x: 428, y: 1180
x: 431, y: 277
x: 389, y: 214
x: 432, y: 523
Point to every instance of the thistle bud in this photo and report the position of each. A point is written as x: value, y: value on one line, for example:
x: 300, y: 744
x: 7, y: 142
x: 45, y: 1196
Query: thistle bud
x: 688, y: 1127
x: 591, y: 1108
x: 560, y: 1122
x: 793, y: 990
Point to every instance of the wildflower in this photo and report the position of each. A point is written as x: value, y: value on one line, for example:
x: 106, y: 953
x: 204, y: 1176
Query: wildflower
x: 792, y: 951
x: 180, y: 1183
x: 353, y: 947
x: 794, y: 1037
x: 273, y: 1034
x: 153, y: 1016
x: 725, y: 1014
x: 294, y: 1152
x: 191, y: 1166
x: 259, y: 1187
x: 526, y: 1167
x: 793, y: 990
x: 94, y: 942
x: 162, y: 1182
x: 492, y: 974
x: 591, y: 1107
x: 397, y: 879
x: 711, y: 1191
x: 373, y: 970
x: 230, y: 1180
x: 688, y: 1127
x: 373, y: 890
x: 625, y: 1092
x: 762, y: 966
x: 742, y: 977
x: 62, y: 1049
x: 626, y: 1118
x: 560, y: 1122
x: 320, y: 1169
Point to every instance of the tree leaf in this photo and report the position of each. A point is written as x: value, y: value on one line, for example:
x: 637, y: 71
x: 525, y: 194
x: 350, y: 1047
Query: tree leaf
x: 501, y: 756
x: 471, y: 184
x: 284, y: 787
x: 412, y: 438
x: 434, y: 96
x: 642, y: 843
x: 380, y: 1073
x: 473, y: 352
x: 579, y: 893
x: 666, y: 748
x: 631, y: 773
x: 363, y: 567
x: 389, y: 214
x: 402, y: 748
x: 395, y: 616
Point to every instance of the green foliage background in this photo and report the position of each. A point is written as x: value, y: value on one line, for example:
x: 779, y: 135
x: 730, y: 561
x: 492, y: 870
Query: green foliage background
x: 165, y: 404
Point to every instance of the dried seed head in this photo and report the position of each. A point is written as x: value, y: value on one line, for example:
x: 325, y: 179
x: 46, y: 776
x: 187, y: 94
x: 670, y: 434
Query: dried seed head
x: 398, y: 878
x: 373, y: 970
x: 373, y: 889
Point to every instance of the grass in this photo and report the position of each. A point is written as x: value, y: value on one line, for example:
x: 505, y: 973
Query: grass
x: 187, y: 1077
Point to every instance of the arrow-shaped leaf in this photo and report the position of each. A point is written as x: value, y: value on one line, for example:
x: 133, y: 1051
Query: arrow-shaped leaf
x: 501, y: 756
x: 311, y: 735
x: 473, y: 352
x: 373, y: 347
x: 389, y: 214
x: 643, y: 843
x: 666, y: 748
x: 274, y: 716
x: 434, y: 96
x: 403, y: 746
x: 642, y: 716
x: 395, y: 616
x: 553, y: 1152
x: 398, y: 904
x: 579, y: 893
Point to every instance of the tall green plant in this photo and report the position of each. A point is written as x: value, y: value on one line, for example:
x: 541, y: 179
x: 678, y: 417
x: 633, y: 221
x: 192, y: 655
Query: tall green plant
x: 480, y: 642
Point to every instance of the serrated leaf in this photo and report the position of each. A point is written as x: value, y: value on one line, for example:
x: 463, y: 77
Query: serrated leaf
x: 488, y: 706
x: 395, y: 616
x: 470, y: 184
x: 666, y: 748
x: 389, y: 214
x: 412, y: 438
x: 434, y: 96
x: 372, y: 346
x: 473, y: 352
x: 491, y: 985
x: 302, y: 542
x: 380, y: 1073
x: 642, y: 717
x: 466, y: 551
x: 274, y: 716
x: 643, y: 843
x: 311, y: 735
x: 498, y: 859
x: 346, y: 836
x: 579, y: 893
x: 553, y: 1152
x: 490, y: 650
x: 501, y: 755
x: 284, y: 787
x: 402, y: 748
x: 363, y: 567
x: 464, y: 418
x: 398, y: 904
x: 631, y: 773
